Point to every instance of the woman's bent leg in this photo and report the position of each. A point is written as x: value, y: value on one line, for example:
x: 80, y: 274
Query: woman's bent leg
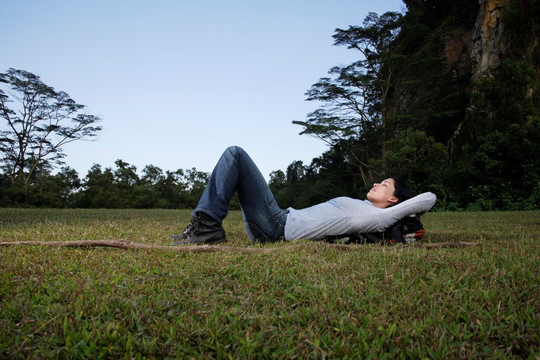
x: 236, y: 171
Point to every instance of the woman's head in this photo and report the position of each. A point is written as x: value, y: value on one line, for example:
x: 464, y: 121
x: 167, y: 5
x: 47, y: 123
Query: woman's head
x: 402, y: 190
x: 389, y: 192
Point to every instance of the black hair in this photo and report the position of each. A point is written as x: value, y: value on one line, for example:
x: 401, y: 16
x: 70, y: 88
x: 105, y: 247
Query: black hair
x: 402, y: 190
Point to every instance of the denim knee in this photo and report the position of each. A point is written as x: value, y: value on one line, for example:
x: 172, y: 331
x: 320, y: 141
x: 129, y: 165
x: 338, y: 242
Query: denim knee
x: 235, y: 150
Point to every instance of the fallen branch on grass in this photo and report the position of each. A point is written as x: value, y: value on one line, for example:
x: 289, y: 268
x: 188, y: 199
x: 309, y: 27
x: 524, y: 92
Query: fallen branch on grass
x: 128, y: 244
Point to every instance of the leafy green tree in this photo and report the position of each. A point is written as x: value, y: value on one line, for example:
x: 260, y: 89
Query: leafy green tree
x: 333, y: 167
x: 152, y: 175
x: 195, y: 182
x: 57, y: 191
x: 296, y: 172
x: 68, y: 184
x: 277, y: 180
x: 418, y: 159
x: 162, y: 190
x: 500, y: 170
x: 38, y: 121
x: 99, y: 190
x: 171, y: 190
x: 126, y: 182
x: 146, y: 191
x: 277, y: 183
x: 509, y: 95
x: 125, y: 174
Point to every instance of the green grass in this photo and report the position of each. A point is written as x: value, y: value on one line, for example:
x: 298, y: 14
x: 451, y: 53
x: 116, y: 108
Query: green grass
x: 310, y: 301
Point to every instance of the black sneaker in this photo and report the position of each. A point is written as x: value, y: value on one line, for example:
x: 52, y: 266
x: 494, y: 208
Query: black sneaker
x: 203, y: 230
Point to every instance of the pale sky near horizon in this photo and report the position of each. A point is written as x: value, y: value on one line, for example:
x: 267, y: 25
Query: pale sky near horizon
x: 176, y: 82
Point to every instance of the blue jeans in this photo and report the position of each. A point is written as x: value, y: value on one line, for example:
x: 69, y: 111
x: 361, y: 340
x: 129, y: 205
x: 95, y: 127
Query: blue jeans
x: 235, y: 171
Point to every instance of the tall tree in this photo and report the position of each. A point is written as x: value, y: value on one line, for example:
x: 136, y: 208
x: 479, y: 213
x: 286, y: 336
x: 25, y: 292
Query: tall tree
x: 38, y: 121
x: 100, y: 191
x: 355, y: 109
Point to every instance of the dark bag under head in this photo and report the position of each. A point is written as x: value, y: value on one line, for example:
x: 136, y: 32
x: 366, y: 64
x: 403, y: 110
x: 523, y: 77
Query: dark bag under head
x: 405, y: 231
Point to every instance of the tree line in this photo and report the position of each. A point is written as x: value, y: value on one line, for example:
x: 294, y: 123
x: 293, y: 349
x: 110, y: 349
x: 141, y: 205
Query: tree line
x: 405, y: 108
x: 114, y: 188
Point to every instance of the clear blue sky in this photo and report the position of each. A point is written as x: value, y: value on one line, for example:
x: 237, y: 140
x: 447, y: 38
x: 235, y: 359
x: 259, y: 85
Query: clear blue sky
x: 176, y: 82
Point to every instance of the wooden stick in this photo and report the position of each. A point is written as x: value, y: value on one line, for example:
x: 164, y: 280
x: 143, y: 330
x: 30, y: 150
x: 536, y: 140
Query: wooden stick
x: 128, y: 244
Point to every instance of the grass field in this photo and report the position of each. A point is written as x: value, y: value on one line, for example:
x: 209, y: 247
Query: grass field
x: 313, y: 300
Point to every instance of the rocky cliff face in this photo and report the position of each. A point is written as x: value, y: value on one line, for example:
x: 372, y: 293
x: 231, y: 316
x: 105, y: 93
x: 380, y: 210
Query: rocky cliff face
x: 458, y: 45
x: 473, y: 51
x: 489, y: 44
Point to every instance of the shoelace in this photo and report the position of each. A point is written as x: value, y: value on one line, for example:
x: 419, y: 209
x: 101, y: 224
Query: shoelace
x: 191, y: 228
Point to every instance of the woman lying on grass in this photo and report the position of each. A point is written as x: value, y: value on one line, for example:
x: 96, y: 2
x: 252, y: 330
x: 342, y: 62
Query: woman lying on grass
x: 387, y: 203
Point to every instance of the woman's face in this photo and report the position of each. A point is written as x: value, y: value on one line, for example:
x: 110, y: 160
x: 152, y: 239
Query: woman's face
x: 382, y: 194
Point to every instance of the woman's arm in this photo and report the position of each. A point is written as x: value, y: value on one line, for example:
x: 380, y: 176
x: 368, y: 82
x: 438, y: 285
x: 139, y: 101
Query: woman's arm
x: 417, y: 205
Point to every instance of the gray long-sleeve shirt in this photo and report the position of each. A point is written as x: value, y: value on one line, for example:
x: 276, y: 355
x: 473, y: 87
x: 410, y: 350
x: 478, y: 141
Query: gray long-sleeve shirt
x: 345, y: 215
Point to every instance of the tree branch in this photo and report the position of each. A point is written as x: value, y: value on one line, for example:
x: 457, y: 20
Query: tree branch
x: 128, y: 244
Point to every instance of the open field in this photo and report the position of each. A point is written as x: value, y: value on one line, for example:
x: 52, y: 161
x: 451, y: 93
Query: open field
x: 313, y: 300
